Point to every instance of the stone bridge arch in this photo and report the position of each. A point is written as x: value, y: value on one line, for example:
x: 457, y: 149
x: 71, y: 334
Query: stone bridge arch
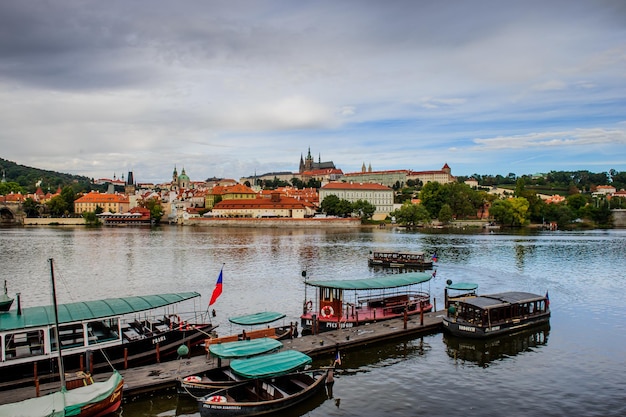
x: 11, y: 214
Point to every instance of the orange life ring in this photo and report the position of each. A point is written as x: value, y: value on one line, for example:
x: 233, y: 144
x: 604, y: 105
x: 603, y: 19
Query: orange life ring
x: 327, y: 311
x: 192, y: 378
x: 216, y: 399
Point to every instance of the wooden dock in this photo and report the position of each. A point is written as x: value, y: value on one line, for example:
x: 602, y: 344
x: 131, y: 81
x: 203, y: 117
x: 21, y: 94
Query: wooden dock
x: 147, y: 379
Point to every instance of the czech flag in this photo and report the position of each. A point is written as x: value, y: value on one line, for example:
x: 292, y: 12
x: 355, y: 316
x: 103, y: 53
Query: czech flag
x: 435, y: 257
x: 338, y: 359
x: 547, y: 300
x: 217, y: 291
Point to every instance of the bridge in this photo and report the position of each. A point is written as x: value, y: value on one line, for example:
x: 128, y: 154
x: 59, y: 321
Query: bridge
x: 11, y: 214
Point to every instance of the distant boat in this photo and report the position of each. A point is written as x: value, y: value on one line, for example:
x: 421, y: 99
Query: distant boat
x: 349, y: 303
x: 263, y: 396
x: 252, y: 320
x: 94, y: 400
x: 393, y: 259
x: 5, y: 301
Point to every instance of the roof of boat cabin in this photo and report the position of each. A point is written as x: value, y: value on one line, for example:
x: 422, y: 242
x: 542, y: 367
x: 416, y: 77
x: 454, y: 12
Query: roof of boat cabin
x: 273, y: 364
x: 257, y: 318
x: 390, y: 281
x: 244, y: 348
x: 462, y: 286
x: 501, y: 299
x: 88, y: 310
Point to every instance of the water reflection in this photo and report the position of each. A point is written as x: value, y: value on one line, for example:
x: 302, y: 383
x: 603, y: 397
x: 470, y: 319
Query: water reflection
x: 483, y: 352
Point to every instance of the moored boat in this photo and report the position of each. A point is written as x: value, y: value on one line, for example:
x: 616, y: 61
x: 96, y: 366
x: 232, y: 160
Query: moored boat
x: 350, y: 303
x: 393, y: 259
x: 126, y: 330
x: 263, y: 396
x: 253, y: 322
x: 5, y: 301
x: 481, y: 316
x: 223, y: 376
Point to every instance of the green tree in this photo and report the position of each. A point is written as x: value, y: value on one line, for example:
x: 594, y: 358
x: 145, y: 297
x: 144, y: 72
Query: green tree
x: 156, y: 210
x: 329, y: 204
x: 411, y: 215
x: 57, y: 206
x: 30, y: 207
x: 445, y: 214
x: 10, y: 187
x: 91, y: 219
x: 433, y: 196
x: 364, y: 209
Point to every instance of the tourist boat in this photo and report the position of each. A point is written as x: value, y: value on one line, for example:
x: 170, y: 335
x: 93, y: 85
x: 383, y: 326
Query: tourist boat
x: 349, y: 303
x: 93, y: 400
x: 5, y: 301
x: 481, y: 316
x: 262, y: 396
x: 127, y: 330
x: 222, y: 376
x: 391, y: 259
x: 457, y: 291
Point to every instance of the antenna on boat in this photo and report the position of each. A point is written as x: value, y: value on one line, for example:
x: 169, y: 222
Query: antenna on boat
x: 56, y: 323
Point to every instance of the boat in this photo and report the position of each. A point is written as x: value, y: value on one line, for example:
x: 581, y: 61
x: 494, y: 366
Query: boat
x: 457, y: 291
x: 5, y: 301
x: 481, y: 316
x: 223, y: 376
x: 94, y: 400
x: 256, y: 319
x: 392, y: 259
x: 263, y: 396
x: 93, y: 334
x: 350, y: 303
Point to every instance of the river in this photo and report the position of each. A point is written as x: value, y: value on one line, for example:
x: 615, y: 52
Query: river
x: 577, y: 366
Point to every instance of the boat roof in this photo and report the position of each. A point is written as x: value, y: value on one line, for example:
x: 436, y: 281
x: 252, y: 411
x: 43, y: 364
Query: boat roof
x: 391, y: 281
x: 274, y: 364
x: 257, y: 318
x: 89, y: 310
x: 244, y: 348
x: 462, y: 286
x: 501, y: 299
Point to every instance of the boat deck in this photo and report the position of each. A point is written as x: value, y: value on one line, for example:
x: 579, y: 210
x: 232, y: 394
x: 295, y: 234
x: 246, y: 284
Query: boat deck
x: 161, y: 376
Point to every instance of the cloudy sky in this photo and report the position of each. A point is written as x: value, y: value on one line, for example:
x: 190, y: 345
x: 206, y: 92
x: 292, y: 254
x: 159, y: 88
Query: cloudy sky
x: 230, y: 88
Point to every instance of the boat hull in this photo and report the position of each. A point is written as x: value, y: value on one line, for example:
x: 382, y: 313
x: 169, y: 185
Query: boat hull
x: 465, y: 329
x: 230, y: 406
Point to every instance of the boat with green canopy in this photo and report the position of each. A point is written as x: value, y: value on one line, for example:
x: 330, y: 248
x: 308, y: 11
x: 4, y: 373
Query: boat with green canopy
x: 244, y: 348
x: 349, y: 303
x: 274, y: 364
x: 97, y: 332
x: 262, y: 317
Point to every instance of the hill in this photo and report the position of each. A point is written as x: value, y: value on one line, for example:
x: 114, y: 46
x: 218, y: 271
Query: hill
x: 27, y: 179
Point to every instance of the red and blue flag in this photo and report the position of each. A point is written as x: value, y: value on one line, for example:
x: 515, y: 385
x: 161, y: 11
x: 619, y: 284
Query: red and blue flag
x: 217, y: 291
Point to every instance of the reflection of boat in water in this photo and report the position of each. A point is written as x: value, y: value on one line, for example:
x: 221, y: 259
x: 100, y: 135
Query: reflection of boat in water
x: 394, y: 259
x: 351, y: 303
x: 485, y: 351
x: 480, y: 316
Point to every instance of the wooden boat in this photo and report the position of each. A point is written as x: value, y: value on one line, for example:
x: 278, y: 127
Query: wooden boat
x: 252, y: 320
x: 222, y: 376
x: 263, y: 396
x: 94, y: 400
x: 391, y: 259
x: 127, y: 330
x: 481, y: 316
x: 349, y: 303
x: 5, y: 300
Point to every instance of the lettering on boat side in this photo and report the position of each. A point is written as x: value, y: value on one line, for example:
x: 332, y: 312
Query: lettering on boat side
x: 493, y: 329
x: 467, y: 329
x: 158, y: 339
x: 333, y: 325
x: 221, y: 407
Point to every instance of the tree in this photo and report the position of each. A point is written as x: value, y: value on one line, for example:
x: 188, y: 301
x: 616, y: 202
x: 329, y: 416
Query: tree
x: 57, y: 206
x: 410, y: 215
x: 364, y: 209
x: 30, y: 207
x: 156, y: 210
x: 91, y: 219
x: 445, y: 214
x: 10, y: 187
x: 329, y: 204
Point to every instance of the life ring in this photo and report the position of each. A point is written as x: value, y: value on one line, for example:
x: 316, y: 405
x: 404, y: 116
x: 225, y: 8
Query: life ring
x: 192, y: 378
x: 308, y: 305
x: 327, y: 311
x: 216, y: 399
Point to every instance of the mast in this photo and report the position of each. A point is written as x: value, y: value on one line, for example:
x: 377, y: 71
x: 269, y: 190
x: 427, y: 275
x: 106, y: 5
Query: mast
x: 56, y: 323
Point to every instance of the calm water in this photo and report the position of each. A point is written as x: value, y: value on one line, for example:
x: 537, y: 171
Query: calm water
x: 576, y: 367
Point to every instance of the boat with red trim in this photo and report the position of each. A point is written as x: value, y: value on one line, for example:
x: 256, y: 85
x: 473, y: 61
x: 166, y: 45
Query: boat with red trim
x: 393, y: 259
x: 350, y: 303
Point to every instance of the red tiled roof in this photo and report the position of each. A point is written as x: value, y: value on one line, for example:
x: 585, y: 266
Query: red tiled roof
x: 96, y: 197
x: 354, y: 186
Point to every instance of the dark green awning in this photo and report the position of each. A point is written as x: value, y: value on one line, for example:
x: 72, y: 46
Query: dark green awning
x: 391, y: 281
x: 462, y: 286
x: 244, y: 348
x: 266, y: 366
x: 257, y: 318
x: 89, y: 310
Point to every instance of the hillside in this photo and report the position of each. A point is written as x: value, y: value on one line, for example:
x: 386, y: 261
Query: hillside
x: 28, y: 178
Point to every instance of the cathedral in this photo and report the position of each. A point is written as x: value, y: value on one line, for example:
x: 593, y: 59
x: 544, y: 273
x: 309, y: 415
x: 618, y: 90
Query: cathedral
x: 309, y: 164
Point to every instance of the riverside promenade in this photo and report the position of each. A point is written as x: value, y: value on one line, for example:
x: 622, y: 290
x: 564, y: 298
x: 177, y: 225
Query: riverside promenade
x: 148, y: 379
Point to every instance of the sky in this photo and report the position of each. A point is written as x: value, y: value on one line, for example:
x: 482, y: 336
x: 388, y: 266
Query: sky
x: 233, y: 88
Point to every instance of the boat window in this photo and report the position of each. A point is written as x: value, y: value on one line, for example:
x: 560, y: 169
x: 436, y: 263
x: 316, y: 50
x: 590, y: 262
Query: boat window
x: 103, y: 330
x: 22, y: 344
x: 71, y: 336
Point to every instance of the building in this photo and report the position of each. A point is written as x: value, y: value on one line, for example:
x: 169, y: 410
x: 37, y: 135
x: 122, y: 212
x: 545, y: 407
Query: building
x: 309, y: 165
x: 263, y: 207
x: 113, y: 203
x: 378, y: 195
x: 399, y: 178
